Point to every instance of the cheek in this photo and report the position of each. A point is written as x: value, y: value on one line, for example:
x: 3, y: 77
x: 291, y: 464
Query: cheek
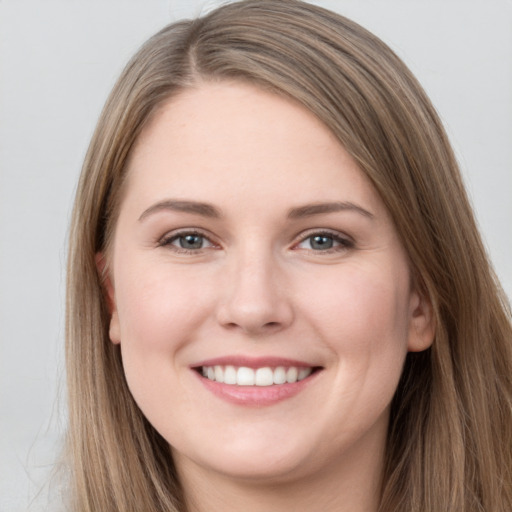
x: 362, y: 314
x: 158, y: 316
x: 157, y: 308
x: 159, y: 312
x: 363, y: 300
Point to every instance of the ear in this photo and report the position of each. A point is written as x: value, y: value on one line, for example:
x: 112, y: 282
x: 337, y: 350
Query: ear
x: 422, y: 326
x: 108, y: 287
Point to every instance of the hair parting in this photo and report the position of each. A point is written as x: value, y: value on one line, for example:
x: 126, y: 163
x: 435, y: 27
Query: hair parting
x: 450, y: 435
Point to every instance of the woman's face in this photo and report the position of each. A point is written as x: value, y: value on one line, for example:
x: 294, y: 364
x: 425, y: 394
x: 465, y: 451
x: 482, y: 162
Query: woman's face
x: 259, y: 291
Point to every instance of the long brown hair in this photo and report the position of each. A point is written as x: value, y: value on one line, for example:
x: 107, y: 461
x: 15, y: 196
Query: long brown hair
x: 450, y: 436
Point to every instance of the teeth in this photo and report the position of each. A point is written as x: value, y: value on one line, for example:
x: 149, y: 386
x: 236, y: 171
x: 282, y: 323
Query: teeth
x: 245, y: 376
x: 219, y: 373
x: 266, y: 376
x: 303, y: 373
x: 292, y: 374
x: 230, y: 375
x: 279, y: 376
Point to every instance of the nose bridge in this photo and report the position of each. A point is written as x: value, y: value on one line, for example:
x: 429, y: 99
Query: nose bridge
x: 255, y: 299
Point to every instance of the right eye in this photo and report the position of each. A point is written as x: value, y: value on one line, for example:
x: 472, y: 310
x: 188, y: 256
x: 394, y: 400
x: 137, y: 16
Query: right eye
x: 186, y: 241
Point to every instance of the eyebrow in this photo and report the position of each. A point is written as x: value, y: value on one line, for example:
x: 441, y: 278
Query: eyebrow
x: 320, y: 208
x: 208, y: 210
x: 194, y: 207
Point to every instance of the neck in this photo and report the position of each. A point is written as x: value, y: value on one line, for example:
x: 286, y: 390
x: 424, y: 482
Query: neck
x: 349, y: 485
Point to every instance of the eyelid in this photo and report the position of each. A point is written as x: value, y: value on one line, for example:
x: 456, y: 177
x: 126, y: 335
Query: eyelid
x: 345, y: 240
x: 165, y: 240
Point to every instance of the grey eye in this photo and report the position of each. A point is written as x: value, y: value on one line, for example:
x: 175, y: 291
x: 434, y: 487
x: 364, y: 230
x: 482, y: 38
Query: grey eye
x: 191, y: 241
x: 186, y: 241
x: 325, y: 242
x: 321, y: 242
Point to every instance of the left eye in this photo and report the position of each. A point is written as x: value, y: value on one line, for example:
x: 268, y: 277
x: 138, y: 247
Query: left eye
x: 324, y: 242
x: 188, y: 241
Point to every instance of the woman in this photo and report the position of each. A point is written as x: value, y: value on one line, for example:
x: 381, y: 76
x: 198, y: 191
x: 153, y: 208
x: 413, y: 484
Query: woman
x: 277, y: 296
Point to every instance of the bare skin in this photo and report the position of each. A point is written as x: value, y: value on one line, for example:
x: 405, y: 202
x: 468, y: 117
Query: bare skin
x: 249, y: 241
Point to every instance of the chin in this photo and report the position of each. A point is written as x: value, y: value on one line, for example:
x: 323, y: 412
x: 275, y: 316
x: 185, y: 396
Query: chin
x: 268, y: 461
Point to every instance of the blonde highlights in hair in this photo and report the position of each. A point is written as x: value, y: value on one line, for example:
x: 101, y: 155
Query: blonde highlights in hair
x: 450, y: 435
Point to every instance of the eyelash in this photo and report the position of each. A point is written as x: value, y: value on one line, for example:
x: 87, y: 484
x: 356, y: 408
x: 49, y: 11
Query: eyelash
x: 344, y: 243
x: 168, y: 240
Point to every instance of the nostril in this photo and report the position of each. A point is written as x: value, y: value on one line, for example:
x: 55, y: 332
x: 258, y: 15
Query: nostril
x: 254, y: 314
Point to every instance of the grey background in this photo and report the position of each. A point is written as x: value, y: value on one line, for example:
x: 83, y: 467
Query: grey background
x: 58, y: 61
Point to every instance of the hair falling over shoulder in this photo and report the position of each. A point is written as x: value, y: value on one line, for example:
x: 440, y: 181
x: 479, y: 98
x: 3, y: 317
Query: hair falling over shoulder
x: 449, y: 445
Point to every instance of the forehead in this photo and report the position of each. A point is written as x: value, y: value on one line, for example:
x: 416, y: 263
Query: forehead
x: 231, y: 114
x: 235, y: 138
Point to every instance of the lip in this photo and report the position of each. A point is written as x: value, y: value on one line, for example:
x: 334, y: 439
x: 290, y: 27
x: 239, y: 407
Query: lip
x: 255, y: 396
x: 253, y: 362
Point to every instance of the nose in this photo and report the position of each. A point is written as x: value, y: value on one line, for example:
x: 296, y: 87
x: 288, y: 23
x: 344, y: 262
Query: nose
x: 255, y: 298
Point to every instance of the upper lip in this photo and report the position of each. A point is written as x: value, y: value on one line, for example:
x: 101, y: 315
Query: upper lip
x: 253, y: 362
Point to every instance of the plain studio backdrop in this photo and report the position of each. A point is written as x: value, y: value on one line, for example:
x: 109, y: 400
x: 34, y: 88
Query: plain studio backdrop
x: 58, y: 61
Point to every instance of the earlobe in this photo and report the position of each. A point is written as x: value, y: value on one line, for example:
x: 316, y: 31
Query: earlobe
x: 422, y: 326
x: 113, y: 331
x: 108, y: 289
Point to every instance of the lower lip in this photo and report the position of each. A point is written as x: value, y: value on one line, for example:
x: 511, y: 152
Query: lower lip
x: 256, y: 396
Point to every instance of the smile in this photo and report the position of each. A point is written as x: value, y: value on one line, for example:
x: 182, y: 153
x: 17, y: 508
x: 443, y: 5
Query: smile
x: 264, y: 376
x: 256, y: 382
